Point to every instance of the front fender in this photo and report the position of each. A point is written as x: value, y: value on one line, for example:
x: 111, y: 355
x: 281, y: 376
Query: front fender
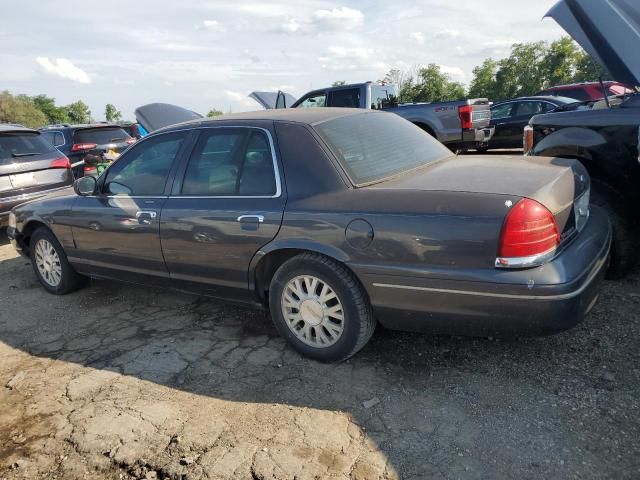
x: 568, y: 142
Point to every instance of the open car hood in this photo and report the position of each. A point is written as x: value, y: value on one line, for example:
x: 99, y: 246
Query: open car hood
x: 268, y: 99
x: 158, y: 115
x: 609, y: 30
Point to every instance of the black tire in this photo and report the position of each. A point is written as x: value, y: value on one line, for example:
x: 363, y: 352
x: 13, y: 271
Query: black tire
x: 70, y: 280
x: 359, y: 322
x: 624, y: 255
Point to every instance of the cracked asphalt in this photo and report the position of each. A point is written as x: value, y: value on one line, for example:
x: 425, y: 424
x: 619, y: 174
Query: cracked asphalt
x: 117, y: 381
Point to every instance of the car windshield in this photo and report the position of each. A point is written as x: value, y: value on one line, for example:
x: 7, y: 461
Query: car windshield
x: 101, y: 135
x: 22, y: 147
x: 374, y: 146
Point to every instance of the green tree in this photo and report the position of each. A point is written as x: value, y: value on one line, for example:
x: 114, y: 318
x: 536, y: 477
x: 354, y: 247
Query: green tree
x: 214, y: 113
x: 111, y: 113
x: 483, y: 83
x: 338, y: 83
x: 79, y: 112
x: 47, y: 105
x: 588, y: 70
x: 431, y: 85
x: 20, y: 109
x: 559, y: 63
x: 520, y: 74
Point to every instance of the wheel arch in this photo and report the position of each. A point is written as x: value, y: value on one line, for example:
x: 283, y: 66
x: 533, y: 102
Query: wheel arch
x: 267, y: 261
x: 30, y: 226
x: 426, y: 127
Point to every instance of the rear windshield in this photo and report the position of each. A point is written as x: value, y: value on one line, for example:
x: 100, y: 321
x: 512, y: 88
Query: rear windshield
x: 375, y: 146
x: 22, y: 147
x: 101, y: 136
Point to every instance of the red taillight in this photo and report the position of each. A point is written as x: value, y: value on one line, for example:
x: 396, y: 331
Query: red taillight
x: 83, y: 146
x: 530, y: 230
x: 62, y: 162
x: 465, y: 112
x: 131, y: 140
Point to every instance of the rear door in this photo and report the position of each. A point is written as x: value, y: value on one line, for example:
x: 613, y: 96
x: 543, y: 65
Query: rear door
x: 116, y: 232
x: 29, y: 164
x: 226, y: 203
x: 503, y: 118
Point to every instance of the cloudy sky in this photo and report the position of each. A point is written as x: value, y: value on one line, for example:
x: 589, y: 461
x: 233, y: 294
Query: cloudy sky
x: 205, y: 54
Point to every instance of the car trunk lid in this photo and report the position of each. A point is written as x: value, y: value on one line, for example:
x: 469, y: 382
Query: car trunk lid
x: 608, y: 30
x: 155, y: 116
x: 556, y: 183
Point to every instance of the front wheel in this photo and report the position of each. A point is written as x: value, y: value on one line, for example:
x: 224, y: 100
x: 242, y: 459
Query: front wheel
x: 51, y: 266
x: 320, y: 308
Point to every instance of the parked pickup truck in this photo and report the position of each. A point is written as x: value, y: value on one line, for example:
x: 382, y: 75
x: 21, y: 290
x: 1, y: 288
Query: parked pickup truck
x: 605, y: 140
x: 460, y: 125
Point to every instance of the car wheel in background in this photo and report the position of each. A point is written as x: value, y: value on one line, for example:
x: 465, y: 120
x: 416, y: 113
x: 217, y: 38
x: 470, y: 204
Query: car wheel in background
x: 624, y: 254
x: 51, y: 265
x: 320, y: 308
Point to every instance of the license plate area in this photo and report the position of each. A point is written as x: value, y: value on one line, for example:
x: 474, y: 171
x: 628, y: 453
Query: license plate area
x: 21, y: 180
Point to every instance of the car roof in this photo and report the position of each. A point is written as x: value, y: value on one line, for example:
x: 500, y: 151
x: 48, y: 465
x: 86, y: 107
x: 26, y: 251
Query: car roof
x: 546, y: 98
x: 79, y: 126
x: 581, y: 84
x: 15, y: 128
x: 308, y: 116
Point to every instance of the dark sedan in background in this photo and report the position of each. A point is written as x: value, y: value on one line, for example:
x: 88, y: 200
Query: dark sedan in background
x: 30, y: 167
x: 510, y: 117
x: 88, y: 145
x: 334, y: 219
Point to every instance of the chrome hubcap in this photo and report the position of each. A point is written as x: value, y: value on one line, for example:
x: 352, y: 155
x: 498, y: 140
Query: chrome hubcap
x: 48, y: 262
x: 313, y: 311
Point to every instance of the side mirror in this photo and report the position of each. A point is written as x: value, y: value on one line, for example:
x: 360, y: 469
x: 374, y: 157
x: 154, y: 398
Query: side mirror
x: 85, y: 186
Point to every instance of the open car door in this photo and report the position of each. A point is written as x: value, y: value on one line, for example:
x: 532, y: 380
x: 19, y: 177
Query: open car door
x: 609, y: 30
x: 158, y: 115
x: 271, y: 100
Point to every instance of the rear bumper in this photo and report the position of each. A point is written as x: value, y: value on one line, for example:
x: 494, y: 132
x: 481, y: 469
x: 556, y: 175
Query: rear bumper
x: 475, y: 136
x: 516, y: 303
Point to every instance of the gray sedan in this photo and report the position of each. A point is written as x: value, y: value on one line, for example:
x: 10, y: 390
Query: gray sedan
x: 335, y: 220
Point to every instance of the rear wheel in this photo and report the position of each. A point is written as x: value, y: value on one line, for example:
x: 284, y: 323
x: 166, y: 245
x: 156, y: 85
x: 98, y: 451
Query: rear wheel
x: 51, y: 266
x: 624, y: 255
x: 320, y: 308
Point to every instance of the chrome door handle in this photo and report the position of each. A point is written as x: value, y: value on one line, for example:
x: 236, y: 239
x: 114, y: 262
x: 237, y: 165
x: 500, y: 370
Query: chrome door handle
x: 259, y: 218
x: 145, y: 216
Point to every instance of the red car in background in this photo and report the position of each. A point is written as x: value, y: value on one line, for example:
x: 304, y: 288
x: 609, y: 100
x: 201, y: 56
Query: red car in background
x: 587, y: 91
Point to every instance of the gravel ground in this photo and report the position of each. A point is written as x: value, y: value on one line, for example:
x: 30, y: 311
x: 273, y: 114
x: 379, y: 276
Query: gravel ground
x: 122, y: 382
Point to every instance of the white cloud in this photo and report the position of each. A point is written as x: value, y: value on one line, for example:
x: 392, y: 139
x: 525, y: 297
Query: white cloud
x: 339, y: 58
x: 447, y: 33
x: 343, y: 18
x: 63, y: 68
x: 212, y: 25
x: 456, y: 73
x: 418, y: 37
x: 291, y: 25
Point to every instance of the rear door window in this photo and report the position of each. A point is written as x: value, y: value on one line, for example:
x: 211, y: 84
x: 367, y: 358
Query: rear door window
x: 529, y: 109
x: 101, y: 135
x: 231, y: 162
x: 348, y: 98
x: 22, y: 147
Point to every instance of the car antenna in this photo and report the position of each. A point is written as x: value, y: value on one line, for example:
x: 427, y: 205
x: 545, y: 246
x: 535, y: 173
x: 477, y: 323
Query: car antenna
x: 604, y: 92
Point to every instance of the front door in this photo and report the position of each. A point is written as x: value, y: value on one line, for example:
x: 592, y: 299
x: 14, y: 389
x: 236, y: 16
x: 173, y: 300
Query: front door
x: 116, y: 232
x: 227, y: 204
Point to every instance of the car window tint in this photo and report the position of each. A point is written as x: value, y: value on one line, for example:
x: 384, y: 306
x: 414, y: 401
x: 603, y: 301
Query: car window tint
x: 230, y: 162
x: 374, y: 146
x: 502, y: 111
x: 258, y: 175
x: 314, y: 101
x: 348, y: 98
x: 145, y: 168
x: 55, y: 138
x: 214, y: 165
x: 383, y: 96
x: 529, y: 108
x: 101, y: 135
x: 20, y: 147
